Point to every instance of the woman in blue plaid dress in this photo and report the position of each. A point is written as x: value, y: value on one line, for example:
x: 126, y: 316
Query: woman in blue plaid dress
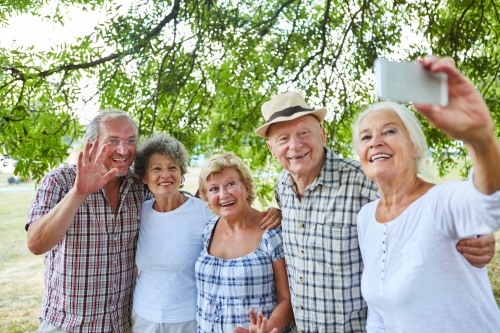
x: 241, y: 266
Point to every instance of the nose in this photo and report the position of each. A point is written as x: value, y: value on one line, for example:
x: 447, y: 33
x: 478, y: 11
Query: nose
x: 122, y: 148
x: 376, y: 141
x: 223, y: 193
x: 295, y: 143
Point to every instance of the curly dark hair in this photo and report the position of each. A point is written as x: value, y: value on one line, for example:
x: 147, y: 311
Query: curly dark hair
x: 163, y: 144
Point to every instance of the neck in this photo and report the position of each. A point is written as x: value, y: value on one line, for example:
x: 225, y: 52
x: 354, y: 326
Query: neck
x: 168, y: 204
x: 247, y: 218
x: 113, y: 184
x: 401, y: 191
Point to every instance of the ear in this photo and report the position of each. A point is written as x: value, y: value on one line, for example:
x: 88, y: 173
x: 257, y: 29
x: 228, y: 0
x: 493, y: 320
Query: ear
x: 270, y: 147
x: 415, y: 152
x: 144, y: 181
x: 323, y: 136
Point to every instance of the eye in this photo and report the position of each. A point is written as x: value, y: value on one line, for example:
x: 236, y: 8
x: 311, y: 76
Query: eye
x: 231, y: 184
x: 304, y: 133
x: 213, y: 189
x: 131, y: 142
x: 390, y: 131
x: 173, y: 168
x: 112, y: 141
x: 365, y: 137
x: 156, y: 168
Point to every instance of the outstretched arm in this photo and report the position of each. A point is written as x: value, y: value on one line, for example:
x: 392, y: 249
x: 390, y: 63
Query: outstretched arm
x: 466, y: 117
x: 48, y: 230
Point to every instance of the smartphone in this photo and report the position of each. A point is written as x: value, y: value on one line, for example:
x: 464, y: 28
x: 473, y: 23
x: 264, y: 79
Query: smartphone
x: 410, y: 82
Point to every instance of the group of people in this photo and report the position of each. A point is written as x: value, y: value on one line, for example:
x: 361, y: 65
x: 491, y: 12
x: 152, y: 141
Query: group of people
x: 365, y: 246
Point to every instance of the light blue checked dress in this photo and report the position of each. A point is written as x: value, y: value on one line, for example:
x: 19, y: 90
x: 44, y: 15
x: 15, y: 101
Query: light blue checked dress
x: 228, y: 288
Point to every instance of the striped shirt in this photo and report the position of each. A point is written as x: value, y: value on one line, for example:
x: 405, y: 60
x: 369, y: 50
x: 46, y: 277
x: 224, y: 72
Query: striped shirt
x: 321, y: 246
x: 90, y: 273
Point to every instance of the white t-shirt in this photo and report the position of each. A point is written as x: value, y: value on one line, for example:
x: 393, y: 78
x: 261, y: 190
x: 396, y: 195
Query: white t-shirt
x: 414, y: 279
x: 167, y: 249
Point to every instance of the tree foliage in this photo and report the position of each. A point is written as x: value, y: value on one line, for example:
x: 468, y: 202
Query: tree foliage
x: 201, y: 69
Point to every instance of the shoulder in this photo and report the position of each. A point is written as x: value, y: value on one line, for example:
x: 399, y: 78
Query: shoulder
x: 63, y: 178
x: 202, y: 206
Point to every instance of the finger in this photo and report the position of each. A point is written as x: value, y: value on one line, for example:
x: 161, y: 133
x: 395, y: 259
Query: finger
x: 100, y: 156
x: 79, y: 165
x: 477, y: 261
x: 253, y: 318
x: 259, y: 319
x: 431, y: 112
x: 93, y: 150
x: 480, y: 241
x: 109, y: 175
x: 86, y: 152
x: 241, y: 330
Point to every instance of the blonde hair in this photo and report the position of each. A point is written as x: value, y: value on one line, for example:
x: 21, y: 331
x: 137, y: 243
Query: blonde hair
x: 220, y: 162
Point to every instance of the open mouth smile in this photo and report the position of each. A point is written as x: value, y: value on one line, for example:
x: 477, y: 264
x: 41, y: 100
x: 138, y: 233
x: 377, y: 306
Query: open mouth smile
x: 225, y: 204
x: 380, y: 157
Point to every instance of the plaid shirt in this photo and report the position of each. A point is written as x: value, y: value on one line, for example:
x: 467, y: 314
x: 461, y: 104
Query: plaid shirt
x: 321, y: 246
x: 90, y: 274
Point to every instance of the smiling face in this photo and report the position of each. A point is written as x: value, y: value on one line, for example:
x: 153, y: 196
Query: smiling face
x: 121, y: 156
x: 163, y: 176
x: 385, y: 149
x: 298, y: 146
x: 226, y: 194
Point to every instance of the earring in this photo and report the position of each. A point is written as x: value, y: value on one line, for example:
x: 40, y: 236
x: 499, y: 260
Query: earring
x: 183, y: 179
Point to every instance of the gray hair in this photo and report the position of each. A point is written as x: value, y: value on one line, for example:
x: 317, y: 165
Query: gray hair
x: 412, y: 125
x: 162, y: 144
x: 92, y: 131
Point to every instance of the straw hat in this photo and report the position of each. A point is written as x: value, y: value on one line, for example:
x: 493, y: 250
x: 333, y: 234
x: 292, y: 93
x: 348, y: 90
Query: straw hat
x: 285, y: 107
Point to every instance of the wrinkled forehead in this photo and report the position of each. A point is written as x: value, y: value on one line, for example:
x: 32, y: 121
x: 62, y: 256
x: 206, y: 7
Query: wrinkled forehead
x: 380, y: 118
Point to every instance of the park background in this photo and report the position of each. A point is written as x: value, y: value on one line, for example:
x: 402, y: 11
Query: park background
x: 200, y: 71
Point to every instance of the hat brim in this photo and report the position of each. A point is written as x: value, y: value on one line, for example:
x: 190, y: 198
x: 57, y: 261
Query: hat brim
x: 319, y: 113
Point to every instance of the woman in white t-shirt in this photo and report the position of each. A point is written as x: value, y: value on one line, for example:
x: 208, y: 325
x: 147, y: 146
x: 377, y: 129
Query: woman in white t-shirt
x: 170, y: 240
x: 414, y: 280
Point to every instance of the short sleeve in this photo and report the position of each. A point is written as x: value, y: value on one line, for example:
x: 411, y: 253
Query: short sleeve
x: 207, y: 232
x: 50, y: 192
x: 274, y: 244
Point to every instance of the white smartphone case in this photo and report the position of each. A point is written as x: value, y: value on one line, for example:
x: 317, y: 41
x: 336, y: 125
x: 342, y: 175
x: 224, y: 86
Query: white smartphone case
x: 409, y: 82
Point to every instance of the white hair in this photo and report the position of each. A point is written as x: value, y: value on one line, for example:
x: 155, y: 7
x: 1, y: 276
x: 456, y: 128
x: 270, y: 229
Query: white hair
x: 411, y: 124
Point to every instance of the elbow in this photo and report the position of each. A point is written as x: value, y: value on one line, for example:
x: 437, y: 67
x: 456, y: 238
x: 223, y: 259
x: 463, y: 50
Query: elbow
x: 34, y: 247
x: 34, y: 244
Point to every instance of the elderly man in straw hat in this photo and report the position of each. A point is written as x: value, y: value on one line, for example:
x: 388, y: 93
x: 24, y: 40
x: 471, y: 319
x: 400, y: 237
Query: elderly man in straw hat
x: 320, y: 195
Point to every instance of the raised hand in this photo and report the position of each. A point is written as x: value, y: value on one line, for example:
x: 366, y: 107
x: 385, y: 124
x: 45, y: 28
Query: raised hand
x: 466, y: 117
x: 91, y: 175
x: 258, y: 324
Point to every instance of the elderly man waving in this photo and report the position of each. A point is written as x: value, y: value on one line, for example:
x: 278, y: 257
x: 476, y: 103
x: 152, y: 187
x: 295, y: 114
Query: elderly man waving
x: 320, y: 195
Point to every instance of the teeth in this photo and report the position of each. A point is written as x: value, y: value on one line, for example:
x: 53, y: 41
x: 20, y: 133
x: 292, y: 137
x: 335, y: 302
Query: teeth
x: 376, y: 157
x: 294, y: 158
x: 227, y: 203
x: 119, y: 159
x: 165, y: 183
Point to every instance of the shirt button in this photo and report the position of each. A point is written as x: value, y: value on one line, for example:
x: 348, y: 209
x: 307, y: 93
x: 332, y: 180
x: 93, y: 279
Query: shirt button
x: 302, y: 252
x: 302, y: 225
x: 300, y: 307
x: 301, y: 279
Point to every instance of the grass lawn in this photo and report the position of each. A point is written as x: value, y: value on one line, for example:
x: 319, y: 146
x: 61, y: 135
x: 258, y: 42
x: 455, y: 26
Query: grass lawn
x: 21, y: 273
